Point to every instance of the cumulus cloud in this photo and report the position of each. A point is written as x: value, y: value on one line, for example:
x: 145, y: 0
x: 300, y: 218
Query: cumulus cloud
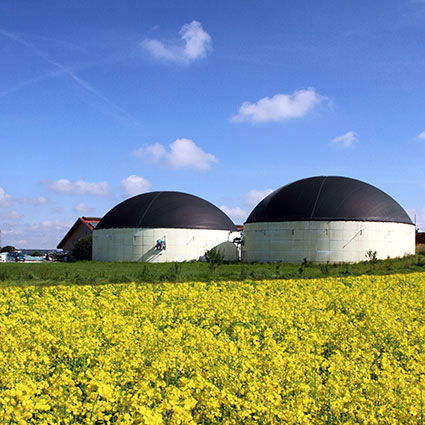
x: 235, y: 213
x: 347, y: 140
x: 38, y: 200
x: 14, y: 237
x: 195, y: 42
x: 279, y: 107
x: 421, y: 135
x: 81, y: 208
x: 44, y: 235
x: 253, y: 197
x: 183, y: 153
x: 79, y: 187
x: 154, y: 152
x: 135, y: 185
x: 11, y: 216
x: 51, y: 224
x: 5, y: 199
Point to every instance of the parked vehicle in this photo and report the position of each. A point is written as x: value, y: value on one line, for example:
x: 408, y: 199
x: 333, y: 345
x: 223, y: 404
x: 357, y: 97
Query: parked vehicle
x: 18, y: 257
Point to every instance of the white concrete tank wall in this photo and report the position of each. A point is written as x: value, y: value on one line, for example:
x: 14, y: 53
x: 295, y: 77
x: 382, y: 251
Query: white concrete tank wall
x: 326, y: 241
x: 137, y: 244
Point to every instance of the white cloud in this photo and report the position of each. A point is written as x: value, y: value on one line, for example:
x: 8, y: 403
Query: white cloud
x: 347, y: 140
x: 183, y: 153
x: 38, y: 200
x: 253, y: 197
x: 51, y: 224
x: 44, y: 235
x: 5, y: 199
x: 135, y: 185
x: 196, y: 43
x: 155, y: 152
x: 81, y: 208
x: 421, y: 135
x: 11, y: 216
x: 279, y: 107
x: 79, y: 187
x: 235, y: 213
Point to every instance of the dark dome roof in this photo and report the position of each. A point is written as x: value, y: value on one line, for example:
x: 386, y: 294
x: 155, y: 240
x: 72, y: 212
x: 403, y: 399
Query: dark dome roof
x: 166, y: 210
x: 328, y: 198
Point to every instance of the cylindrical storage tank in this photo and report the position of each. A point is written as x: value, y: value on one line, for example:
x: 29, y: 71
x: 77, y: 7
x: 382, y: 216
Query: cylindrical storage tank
x: 327, y: 219
x: 187, y: 226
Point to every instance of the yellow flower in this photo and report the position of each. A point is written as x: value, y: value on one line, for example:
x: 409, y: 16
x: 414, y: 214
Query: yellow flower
x: 347, y: 350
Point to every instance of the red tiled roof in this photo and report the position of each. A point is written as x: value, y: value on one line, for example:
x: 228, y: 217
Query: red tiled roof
x: 90, y: 221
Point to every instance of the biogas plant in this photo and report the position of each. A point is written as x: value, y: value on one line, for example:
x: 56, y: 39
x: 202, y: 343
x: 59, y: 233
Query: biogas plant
x: 162, y: 227
x: 327, y: 219
x: 317, y: 219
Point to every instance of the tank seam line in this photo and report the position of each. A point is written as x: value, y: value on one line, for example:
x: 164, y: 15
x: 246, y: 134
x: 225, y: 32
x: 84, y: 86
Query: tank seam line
x: 147, y: 209
x: 317, y: 197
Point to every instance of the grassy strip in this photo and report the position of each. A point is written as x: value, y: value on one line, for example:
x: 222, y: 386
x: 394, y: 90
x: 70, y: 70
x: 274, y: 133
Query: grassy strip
x: 85, y: 273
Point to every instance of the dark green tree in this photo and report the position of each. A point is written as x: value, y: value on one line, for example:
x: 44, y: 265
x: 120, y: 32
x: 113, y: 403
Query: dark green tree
x: 36, y: 253
x: 82, y: 250
x: 8, y: 248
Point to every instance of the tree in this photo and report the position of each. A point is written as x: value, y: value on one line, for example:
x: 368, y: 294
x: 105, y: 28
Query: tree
x: 36, y: 253
x: 214, y: 258
x: 8, y: 248
x: 82, y: 250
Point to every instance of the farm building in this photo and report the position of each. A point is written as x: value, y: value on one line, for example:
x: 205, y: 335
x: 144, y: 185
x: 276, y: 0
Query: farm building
x: 420, y: 238
x: 161, y: 227
x: 327, y: 219
x: 82, y: 227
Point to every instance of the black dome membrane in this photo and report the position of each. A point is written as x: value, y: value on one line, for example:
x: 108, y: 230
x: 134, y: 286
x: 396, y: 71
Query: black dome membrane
x: 328, y: 198
x: 166, y: 210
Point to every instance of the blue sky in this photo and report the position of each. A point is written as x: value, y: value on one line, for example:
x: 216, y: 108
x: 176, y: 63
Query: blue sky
x: 225, y: 100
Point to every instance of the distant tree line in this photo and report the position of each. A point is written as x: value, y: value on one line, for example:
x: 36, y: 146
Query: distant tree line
x: 8, y: 248
x: 82, y: 250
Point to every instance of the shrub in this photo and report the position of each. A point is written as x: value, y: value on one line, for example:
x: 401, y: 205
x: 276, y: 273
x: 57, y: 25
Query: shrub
x: 214, y: 258
x: 420, y: 249
x: 324, y: 268
x: 82, y: 250
x: 144, y: 275
x: 171, y: 274
x: 372, y: 256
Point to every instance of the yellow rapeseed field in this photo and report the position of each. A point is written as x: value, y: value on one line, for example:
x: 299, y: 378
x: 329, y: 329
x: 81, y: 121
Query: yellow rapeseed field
x: 325, y: 351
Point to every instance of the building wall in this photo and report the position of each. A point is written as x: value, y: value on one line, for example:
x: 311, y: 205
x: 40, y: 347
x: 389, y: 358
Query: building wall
x: 81, y: 232
x: 326, y: 241
x: 181, y: 244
